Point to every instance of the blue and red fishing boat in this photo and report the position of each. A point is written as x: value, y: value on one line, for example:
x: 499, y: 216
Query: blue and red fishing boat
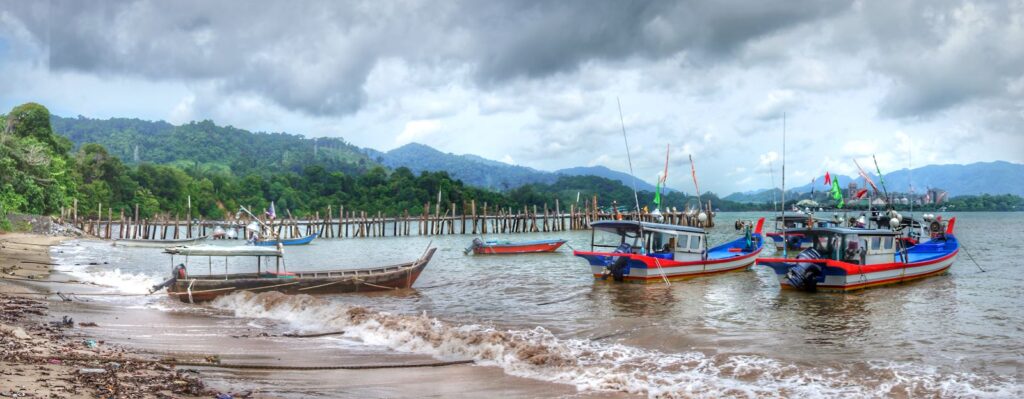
x: 645, y: 252
x: 494, y: 247
x: 291, y: 241
x: 844, y: 259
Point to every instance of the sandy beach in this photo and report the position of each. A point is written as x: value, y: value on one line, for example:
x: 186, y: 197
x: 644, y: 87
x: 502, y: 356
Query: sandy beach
x: 41, y: 356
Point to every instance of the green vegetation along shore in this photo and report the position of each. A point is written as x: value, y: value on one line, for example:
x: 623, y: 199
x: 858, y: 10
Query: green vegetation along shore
x: 220, y: 168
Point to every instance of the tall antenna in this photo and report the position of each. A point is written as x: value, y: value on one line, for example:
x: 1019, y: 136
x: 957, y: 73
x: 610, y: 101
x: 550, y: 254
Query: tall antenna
x: 910, y: 171
x: 628, y: 158
x: 771, y: 172
x: 785, y: 243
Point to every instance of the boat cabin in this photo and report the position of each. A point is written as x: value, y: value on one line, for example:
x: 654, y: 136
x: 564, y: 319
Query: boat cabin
x: 664, y: 241
x: 801, y: 221
x: 851, y: 245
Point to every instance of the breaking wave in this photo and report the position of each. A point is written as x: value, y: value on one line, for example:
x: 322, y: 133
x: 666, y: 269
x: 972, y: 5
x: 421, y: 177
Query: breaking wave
x: 591, y: 365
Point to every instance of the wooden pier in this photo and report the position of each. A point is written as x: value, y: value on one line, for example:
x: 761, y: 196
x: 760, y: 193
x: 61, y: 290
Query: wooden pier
x: 435, y: 220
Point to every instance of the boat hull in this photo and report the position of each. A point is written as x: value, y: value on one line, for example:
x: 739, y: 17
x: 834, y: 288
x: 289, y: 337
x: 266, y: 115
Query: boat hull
x: 158, y: 243
x: 207, y: 288
x: 649, y: 269
x: 841, y: 276
x: 521, y: 248
x: 294, y: 241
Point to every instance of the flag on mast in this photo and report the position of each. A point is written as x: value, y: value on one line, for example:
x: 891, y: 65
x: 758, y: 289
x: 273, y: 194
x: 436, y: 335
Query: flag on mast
x: 661, y: 180
x: 828, y: 179
x: 693, y: 172
x: 865, y: 176
x: 270, y: 212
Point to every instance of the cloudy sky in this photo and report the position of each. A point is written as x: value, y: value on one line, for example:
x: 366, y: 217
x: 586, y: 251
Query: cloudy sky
x: 538, y: 83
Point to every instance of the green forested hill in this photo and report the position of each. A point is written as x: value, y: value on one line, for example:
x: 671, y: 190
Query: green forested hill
x: 210, y: 146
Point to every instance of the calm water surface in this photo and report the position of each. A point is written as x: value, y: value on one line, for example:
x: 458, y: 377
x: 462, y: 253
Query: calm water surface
x: 735, y: 334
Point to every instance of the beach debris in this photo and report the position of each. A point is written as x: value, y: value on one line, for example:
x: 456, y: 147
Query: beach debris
x: 88, y: 324
x: 89, y: 343
x: 92, y: 371
x: 66, y: 322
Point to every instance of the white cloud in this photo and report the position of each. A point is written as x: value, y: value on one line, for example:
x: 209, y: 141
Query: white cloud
x: 417, y: 130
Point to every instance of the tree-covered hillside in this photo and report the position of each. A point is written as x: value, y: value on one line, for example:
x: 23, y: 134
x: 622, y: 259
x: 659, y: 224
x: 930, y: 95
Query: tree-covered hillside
x: 210, y: 146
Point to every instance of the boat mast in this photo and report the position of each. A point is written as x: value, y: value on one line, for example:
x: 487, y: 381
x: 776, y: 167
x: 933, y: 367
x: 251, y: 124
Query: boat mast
x: 785, y: 243
x: 628, y: 158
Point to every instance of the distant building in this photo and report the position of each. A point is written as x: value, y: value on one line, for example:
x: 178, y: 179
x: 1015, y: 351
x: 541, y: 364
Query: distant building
x: 851, y: 189
x: 935, y: 196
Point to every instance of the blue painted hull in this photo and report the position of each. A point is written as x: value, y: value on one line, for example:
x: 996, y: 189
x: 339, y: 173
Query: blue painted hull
x: 293, y: 241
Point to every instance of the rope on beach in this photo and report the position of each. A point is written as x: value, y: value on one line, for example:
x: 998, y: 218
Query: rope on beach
x: 171, y: 362
x: 313, y: 335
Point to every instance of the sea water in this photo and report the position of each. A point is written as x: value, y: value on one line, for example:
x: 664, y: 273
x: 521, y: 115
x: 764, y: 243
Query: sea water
x: 543, y: 316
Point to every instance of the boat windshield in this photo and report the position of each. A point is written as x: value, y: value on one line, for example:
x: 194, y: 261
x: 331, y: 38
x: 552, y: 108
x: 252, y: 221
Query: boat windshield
x: 614, y: 238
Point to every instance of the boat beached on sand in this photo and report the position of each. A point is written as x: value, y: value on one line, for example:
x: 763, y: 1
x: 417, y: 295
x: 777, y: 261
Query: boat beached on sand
x: 652, y: 252
x: 844, y: 259
x: 199, y: 288
x: 494, y: 247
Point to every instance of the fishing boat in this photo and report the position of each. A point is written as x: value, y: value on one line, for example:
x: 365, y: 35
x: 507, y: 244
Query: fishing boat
x: 845, y: 259
x: 495, y: 247
x: 291, y: 241
x: 791, y: 224
x: 645, y: 252
x: 158, y: 243
x: 191, y: 288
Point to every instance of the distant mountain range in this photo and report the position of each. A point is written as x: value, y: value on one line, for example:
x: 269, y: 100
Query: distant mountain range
x: 482, y: 172
x: 205, y: 144
x: 997, y: 177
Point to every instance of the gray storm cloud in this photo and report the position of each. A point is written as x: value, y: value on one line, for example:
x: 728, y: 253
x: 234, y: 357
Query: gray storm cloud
x: 315, y: 57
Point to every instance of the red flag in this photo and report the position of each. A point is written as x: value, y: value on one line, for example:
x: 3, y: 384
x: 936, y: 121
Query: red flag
x: 865, y: 176
x: 828, y: 179
x: 693, y: 172
x: 861, y: 193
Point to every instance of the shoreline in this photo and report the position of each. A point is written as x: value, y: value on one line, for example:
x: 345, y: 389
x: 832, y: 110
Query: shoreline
x: 41, y: 355
x: 199, y: 335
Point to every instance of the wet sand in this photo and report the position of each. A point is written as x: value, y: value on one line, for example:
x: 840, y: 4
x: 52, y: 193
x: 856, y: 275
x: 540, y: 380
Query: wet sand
x: 143, y: 333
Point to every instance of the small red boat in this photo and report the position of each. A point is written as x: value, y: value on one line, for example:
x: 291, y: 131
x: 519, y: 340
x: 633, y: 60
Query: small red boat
x: 493, y: 247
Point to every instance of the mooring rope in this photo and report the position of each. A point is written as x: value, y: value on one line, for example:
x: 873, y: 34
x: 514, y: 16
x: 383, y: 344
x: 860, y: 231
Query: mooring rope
x: 971, y: 257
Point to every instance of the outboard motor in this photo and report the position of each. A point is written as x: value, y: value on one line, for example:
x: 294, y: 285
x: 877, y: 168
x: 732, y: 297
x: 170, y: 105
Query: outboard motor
x: 178, y: 272
x: 477, y: 243
x: 620, y: 266
x: 802, y: 275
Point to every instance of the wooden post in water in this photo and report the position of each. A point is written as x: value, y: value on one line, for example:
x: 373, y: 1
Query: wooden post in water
x: 188, y: 233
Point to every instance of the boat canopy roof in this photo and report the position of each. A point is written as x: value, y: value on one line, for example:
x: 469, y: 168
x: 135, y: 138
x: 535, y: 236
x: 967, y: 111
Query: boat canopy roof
x: 213, y: 250
x: 796, y: 218
x: 632, y: 225
x: 844, y: 230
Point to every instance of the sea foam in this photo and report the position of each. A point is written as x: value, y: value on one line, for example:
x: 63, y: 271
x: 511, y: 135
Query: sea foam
x: 589, y: 365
